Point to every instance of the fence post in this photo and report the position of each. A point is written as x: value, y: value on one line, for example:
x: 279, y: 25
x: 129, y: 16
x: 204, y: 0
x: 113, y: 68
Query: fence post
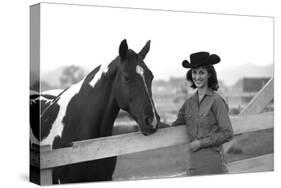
x: 261, y: 100
x: 46, y: 176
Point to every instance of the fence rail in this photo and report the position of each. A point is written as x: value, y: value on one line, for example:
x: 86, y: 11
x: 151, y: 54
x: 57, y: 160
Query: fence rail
x: 136, y: 142
x: 256, y: 164
x: 249, y: 120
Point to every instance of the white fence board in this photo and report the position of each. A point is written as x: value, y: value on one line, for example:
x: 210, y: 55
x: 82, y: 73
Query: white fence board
x: 136, y: 142
x: 257, y: 164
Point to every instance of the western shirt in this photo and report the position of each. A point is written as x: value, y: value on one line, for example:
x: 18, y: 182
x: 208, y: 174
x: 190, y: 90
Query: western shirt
x: 207, y: 120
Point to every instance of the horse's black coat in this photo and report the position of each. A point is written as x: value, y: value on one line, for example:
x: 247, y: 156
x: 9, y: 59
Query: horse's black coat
x: 91, y: 112
x: 38, y: 106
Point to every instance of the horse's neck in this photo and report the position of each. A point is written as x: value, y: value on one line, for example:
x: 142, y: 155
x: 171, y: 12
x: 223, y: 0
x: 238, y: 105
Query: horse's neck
x: 96, y: 111
x: 104, y: 105
x: 106, y: 110
x: 109, y: 115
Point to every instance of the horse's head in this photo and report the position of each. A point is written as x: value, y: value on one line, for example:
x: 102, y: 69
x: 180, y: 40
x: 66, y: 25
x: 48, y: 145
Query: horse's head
x: 132, y: 88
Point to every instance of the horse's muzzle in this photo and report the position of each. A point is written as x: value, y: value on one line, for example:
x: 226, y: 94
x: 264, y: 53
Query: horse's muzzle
x: 148, y: 131
x: 149, y: 128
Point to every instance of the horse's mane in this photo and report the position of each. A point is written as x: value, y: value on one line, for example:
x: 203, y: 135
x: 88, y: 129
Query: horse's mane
x: 52, y: 104
x: 112, y: 67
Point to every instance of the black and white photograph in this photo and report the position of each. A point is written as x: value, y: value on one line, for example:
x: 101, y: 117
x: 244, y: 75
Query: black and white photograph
x: 127, y: 93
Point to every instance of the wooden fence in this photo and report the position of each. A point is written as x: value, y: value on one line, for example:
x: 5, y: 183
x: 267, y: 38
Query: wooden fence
x: 249, y: 120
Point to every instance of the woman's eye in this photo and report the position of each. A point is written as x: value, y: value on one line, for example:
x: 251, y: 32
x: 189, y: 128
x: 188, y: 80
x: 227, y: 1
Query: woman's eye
x: 201, y: 72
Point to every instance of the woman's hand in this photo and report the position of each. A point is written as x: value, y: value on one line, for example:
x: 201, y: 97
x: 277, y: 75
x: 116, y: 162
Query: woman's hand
x: 163, y: 125
x: 195, y: 145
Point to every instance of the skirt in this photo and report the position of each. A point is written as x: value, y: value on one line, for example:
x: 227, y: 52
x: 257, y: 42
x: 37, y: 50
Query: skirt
x: 205, y: 162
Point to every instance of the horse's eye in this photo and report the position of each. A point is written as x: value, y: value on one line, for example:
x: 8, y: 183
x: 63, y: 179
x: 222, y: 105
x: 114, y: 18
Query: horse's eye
x: 127, y: 79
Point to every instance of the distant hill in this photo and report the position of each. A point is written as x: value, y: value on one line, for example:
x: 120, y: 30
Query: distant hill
x: 232, y: 75
x: 53, y: 77
x: 229, y: 76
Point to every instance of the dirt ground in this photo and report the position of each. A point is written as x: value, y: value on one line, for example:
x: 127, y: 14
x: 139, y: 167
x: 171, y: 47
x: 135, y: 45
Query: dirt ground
x: 170, y: 161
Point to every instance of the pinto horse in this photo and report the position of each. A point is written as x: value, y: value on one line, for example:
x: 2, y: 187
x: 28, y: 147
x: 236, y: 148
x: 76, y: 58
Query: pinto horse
x: 88, y: 109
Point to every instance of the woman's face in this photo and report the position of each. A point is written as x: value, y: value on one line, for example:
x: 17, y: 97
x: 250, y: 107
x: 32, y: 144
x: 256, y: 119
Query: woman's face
x: 200, y: 77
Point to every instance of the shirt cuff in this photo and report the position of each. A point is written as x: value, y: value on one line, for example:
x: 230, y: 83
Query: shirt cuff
x: 205, y: 142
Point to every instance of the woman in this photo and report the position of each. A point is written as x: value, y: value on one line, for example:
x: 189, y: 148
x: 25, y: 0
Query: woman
x: 206, y: 117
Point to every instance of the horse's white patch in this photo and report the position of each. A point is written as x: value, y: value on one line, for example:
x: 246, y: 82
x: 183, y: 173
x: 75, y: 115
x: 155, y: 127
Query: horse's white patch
x: 103, y: 69
x: 140, y: 71
x: 33, y: 139
x: 57, y: 127
x: 42, y: 98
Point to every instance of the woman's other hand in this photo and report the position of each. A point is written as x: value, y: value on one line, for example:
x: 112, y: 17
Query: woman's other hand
x: 163, y: 125
x: 195, y: 145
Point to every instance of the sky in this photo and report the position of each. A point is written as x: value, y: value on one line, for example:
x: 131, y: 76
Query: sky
x: 88, y: 36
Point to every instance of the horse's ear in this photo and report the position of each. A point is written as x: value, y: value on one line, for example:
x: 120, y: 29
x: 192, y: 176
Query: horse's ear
x: 144, y: 50
x: 123, y: 49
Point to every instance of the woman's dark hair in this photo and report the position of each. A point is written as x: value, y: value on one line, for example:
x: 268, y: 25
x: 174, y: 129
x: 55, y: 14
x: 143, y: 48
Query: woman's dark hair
x: 212, y: 81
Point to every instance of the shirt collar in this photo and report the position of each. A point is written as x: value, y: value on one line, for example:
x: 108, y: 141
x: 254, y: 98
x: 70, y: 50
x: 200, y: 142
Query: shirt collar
x: 209, y: 92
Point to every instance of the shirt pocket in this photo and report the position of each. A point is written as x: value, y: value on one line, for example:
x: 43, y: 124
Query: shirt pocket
x: 207, y: 121
x: 189, y: 118
x: 191, y: 126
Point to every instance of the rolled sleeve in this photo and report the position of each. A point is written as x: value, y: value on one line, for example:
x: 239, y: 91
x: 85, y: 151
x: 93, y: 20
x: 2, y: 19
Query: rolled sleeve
x: 225, y: 131
x: 181, y: 117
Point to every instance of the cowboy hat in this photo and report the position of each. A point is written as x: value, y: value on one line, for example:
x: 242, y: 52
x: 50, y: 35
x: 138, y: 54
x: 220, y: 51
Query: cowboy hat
x: 201, y: 59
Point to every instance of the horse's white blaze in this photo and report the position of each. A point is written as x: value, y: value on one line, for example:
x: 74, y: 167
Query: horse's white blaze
x: 57, y: 127
x: 140, y: 71
x: 103, y: 69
